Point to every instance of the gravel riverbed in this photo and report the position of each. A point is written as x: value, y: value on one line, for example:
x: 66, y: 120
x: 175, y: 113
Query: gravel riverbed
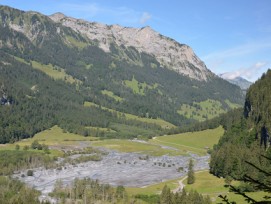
x: 116, y: 168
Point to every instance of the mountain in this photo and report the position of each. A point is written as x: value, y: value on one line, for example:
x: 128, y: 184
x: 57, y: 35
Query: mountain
x: 239, y: 81
x: 173, y: 55
x: 84, y: 76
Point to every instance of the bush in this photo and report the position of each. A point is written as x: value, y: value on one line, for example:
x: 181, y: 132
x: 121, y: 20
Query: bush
x: 30, y: 173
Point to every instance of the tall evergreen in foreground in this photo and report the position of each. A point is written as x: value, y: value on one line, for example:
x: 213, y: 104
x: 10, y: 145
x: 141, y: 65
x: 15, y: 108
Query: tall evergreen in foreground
x: 191, y: 174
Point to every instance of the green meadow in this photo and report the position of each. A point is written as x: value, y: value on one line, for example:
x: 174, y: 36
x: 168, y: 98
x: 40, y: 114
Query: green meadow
x: 76, y: 43
x: 139, y: 88
x: 112, y: 95
x: 53, y: 71
x: 153, y: 189
x: 158, y: 121
x: 133, y: 146
x: 202, y: 111
x: 54, y: 136
x: 208, y: 184
x: 196, y: 142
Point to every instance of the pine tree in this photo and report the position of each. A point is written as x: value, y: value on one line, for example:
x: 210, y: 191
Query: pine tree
x: 166, y: 196
x: 191, y: 174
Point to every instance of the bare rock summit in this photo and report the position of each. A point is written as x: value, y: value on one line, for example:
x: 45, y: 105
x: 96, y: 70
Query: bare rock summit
x: 168, y: 52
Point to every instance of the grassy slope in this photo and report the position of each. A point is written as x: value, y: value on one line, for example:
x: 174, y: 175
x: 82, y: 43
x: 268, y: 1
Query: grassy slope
x: 74, y: 42
x: 112, y: 95
x: 132, y: 146
x: 232, y: 105
x: 139, y: 88
x: 162, y: 123
x: 201, y: 111
x: 208, y: 184
x: 54, y: 72
x: 197, y: 142
x: 153, y: 189
x: 53, y: 136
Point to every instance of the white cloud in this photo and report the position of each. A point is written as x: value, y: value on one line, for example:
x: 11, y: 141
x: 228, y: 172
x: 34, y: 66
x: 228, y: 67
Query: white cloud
x: 249, y: 73
x: 145, y: 17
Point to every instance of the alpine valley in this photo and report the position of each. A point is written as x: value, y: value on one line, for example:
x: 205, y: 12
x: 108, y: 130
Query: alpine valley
x: 73, y: 73
x: 82, y: 101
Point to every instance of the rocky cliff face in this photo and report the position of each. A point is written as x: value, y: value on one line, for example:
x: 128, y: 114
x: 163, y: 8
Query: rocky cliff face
x: 168, y: 52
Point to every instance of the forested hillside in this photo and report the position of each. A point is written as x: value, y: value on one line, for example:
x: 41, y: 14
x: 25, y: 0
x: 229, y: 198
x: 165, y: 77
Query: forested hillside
x: 48, y: 72
x: 246, y: 139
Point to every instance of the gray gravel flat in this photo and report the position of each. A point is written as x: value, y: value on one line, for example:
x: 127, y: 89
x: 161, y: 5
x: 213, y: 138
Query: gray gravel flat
x: 117, y: 168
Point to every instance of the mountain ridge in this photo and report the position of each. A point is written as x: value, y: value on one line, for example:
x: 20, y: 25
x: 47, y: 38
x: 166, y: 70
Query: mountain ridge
x: 125, y: 79
x: 239, y: 81
x: 176, y: 56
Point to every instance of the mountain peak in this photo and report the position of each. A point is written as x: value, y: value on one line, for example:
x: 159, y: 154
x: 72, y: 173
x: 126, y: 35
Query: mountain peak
x: 168, y: 52
x: 237, y: 80
x: 57, y: 16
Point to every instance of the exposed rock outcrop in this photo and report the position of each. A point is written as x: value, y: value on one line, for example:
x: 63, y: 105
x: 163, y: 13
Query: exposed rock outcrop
x: 168, y: 52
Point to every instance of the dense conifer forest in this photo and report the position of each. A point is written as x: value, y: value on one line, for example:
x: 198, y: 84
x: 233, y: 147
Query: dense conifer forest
x: 246, y: 140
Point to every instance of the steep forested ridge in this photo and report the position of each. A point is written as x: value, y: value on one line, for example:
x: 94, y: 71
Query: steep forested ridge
x: 48, y: 71
x: 245, y: 140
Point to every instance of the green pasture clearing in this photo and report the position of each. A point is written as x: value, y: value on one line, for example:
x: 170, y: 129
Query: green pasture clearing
x: 53, y: 71
x: 90, y: 104
x: 139, y: 88
x: 158, y: 121
x: 127, y: 131
x: 112, y: 95
x: 76, y: 43
x: 202, y: 111
x: 154, y: 188
x: 54, y: 136
x: 232, y: 105
x: 196, y: 142
x: 100, y: 129
x: 208, y: 184
x: 132, y: 146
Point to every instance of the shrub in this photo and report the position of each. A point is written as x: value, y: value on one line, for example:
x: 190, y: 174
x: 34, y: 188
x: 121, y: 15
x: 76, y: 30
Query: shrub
x: 30, y: 173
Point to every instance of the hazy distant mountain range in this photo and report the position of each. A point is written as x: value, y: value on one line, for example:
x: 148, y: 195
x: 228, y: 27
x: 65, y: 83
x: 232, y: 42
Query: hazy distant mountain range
x: 239, y: 81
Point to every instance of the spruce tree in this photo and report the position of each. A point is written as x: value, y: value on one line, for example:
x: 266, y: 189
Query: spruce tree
x: 166, y: 196
x: 191, y: 174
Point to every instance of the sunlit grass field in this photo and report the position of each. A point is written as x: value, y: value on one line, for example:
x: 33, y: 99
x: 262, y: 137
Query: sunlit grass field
x: 158, y: 121
x: 153, y: 189
x: 50, y: 70
x: 133, y: 146
x: 203, y: 110
x: 208, y: 184
x: 54, y: 136
x: 197, y: 142
x: 112, y: 95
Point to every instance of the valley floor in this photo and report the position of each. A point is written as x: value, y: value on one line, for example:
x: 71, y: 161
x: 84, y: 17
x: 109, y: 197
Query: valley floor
x: 116, y: 168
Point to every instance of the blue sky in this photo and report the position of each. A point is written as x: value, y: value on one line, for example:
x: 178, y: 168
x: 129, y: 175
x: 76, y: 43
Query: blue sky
x: 231, y: 36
